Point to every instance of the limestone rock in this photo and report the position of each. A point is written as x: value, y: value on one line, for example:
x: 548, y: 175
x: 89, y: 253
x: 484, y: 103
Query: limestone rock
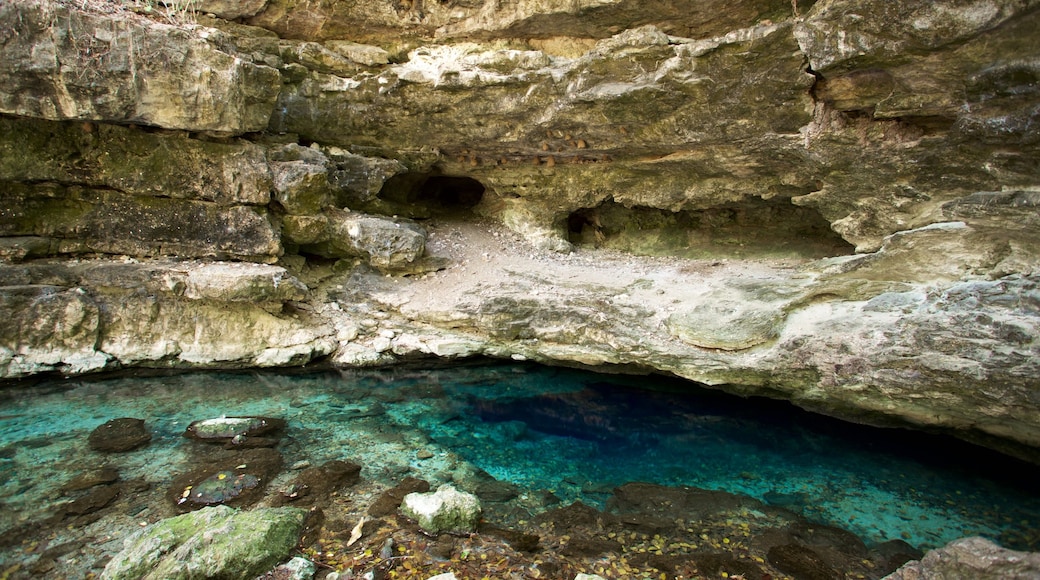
x: 445, y: 510
x: 726, y: 324
x: 232, y: 282
x: 49, y: 327
x: 124, y: 68
x: 384, y: 242
x: 301, y: 183
x: 840, y: 32
x: 372, y: 21
x: 134, y: 161
x: 82, y: 220
x: 365, y: 54
x: 226, y: 9
x: 171, y: 313
x: 214, y: 542
x: 976, y: 558
x: 225, y: 428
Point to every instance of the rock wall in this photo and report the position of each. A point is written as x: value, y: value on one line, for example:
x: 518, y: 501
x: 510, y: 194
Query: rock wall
x: 254, y: 184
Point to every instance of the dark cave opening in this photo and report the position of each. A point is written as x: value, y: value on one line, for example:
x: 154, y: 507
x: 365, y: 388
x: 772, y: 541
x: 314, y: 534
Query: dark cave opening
x: 754, y: 228
x: 424, y: 195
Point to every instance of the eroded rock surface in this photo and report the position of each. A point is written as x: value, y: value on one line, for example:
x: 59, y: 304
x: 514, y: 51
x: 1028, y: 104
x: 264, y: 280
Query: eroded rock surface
x: 622, y: 185
x: 63, y: 63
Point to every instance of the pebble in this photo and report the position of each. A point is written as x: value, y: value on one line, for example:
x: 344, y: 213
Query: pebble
x: 302, y: 464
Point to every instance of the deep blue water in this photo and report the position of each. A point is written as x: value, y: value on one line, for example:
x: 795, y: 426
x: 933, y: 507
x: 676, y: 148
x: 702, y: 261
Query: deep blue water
x: 574, y: 433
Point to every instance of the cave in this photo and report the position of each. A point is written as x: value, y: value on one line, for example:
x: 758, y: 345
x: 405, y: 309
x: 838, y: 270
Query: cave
x: 755, y: 228
x: 426, y: 195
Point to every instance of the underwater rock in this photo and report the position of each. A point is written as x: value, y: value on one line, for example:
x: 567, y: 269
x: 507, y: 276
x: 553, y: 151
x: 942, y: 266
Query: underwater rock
x: 92, y: 502
x: 92, y: 478
x: 975, y: 558
x: 229, y: 428
x: 219, y: 488
x: 590, y: 547
x: 520, y: 541
x: 119, y: 435
x: 445, y: 510
x: 214, y: 542
x: 236, y: 479
x: 667, y: 503
x: 314, y: 484
x: 801, y: 562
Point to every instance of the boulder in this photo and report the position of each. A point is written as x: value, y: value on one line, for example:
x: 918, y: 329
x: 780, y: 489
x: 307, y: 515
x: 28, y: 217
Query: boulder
x: 232, y: 477
x: 444, y: 510
x: 386, y: 243
x: 214, y: 542
x: 228, y: 428
x: 975, y: 558
x: 118, y: 435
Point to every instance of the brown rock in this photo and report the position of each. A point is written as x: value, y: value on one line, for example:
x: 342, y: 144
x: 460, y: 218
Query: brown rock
x: 388, y: 502
x: 120, y: 435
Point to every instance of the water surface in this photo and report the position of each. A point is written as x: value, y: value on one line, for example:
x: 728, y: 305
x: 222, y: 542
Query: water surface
x: 572, y: 433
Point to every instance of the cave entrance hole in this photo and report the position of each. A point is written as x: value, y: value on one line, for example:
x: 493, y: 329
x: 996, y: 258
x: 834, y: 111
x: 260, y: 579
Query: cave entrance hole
x: 427, y: 195
x: 755, y: 228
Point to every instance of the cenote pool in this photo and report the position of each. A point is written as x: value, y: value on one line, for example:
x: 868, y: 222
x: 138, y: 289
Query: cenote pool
x: 566, y: 434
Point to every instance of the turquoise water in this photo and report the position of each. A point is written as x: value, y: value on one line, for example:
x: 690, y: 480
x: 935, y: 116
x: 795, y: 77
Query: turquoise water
x: 573, y: 433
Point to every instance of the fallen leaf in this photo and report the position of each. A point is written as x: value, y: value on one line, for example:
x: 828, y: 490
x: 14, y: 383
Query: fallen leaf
x: 355, y: 534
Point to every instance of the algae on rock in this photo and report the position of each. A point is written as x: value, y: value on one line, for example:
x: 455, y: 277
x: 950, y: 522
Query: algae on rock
x: 213, y: 542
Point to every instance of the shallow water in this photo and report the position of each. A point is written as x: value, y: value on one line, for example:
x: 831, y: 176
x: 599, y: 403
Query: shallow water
x: 574, y: 433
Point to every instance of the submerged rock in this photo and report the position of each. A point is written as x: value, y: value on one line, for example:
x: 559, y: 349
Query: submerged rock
x: 96, y: 499
x: 219, y: 488
x: 119, y: 435
x: 214, y: 542
x: 231, y: 478
x: 801, y: 562
x: 91, y: 479
x: 445, y: 510
x: 229, y: 428
x: 314, y: 484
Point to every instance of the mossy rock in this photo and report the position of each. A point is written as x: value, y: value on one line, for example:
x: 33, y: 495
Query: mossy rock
x: 214, y: 542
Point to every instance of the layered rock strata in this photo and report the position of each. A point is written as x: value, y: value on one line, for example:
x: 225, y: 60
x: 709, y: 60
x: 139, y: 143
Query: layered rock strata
x: 838, y: 198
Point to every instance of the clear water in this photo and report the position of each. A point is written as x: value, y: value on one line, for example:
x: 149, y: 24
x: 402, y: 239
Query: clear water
x: 574, y: 433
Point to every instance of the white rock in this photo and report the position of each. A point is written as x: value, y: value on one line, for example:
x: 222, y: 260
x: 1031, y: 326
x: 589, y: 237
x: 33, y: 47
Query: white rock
x: 445, y: 510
